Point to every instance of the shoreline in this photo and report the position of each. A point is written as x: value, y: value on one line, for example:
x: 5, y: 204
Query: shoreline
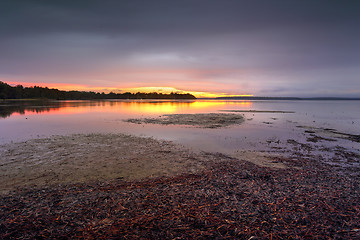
x: 187, y: 195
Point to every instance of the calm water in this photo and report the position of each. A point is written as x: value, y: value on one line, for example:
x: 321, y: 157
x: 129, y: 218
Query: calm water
x: 26, y: 120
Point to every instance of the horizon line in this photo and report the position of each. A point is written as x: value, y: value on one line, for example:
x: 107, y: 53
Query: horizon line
x: 167, y: 90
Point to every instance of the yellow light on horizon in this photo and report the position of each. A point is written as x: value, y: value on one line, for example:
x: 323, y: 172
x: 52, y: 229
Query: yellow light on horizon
x: 164, y: 90
x: 167, y: 90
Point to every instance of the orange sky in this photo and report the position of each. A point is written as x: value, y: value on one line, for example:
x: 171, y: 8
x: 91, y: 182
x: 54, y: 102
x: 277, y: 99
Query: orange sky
x: 78, y: 87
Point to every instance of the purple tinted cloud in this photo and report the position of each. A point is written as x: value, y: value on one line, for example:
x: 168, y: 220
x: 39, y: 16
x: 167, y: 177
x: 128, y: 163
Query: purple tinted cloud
x: 269, y: 47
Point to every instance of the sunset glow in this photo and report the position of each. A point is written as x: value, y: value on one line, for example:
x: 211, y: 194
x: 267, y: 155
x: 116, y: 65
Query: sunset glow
x: 137, y: 107
x: 221, y: 48
x: 164, y: 90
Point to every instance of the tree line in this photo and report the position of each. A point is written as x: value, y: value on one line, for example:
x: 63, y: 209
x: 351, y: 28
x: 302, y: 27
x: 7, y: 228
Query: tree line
x: 20, y: 92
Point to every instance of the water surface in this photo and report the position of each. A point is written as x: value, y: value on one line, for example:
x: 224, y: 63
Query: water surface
x: 21, y: 120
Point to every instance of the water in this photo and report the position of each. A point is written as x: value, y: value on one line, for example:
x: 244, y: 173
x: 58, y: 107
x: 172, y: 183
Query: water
x: 22, y: 120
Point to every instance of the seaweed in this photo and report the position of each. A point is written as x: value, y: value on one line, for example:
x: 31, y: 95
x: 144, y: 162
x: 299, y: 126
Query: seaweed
x: 229, y: 199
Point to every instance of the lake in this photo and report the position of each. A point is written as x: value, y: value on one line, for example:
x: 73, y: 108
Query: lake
x: 267, y: 123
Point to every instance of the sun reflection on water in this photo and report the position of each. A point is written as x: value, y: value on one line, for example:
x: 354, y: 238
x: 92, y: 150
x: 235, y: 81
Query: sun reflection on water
x: 137, y: 107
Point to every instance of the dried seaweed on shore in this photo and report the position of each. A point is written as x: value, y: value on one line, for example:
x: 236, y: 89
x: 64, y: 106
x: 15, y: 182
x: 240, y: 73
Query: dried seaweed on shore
x: 231, y: 199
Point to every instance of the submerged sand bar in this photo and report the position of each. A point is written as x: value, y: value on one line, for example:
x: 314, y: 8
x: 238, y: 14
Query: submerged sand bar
x: 201, y: 120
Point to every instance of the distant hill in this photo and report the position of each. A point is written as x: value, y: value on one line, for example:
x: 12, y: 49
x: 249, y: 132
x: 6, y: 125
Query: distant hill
x: 20, y: 92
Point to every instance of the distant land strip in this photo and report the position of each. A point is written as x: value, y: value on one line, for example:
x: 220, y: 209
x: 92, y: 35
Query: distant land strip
x: 20, y: 92
x: 256, y: 111
x: 284, y: 98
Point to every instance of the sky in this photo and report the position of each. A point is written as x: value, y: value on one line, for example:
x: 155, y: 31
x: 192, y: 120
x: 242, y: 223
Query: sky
x: 299, y: 48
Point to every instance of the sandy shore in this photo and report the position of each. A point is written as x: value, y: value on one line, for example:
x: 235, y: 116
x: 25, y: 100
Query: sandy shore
x: 106, y: 186
x: 210, y: 196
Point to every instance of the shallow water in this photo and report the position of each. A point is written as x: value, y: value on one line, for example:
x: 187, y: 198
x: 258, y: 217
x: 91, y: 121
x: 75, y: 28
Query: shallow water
x: 21, y: 120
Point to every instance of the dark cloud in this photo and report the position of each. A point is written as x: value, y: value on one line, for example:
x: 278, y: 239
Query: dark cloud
x: 186, y: 16
x: 271, y: 38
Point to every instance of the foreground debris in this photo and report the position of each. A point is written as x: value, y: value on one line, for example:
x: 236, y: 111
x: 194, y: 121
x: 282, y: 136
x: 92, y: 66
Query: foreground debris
x: 230, y: 199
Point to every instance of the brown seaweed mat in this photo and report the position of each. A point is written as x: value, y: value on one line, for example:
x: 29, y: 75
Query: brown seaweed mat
x: 231, y: 199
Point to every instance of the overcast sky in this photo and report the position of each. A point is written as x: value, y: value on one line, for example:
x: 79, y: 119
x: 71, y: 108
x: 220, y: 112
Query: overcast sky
x: 266, y: 48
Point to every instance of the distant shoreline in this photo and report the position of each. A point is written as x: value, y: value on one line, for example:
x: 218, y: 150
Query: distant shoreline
x: 19, y: 92
x: 281, y: 98
x: 194, y: 99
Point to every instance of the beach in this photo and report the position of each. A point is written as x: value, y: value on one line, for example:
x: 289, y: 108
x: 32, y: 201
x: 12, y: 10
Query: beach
x: 101, y: 186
